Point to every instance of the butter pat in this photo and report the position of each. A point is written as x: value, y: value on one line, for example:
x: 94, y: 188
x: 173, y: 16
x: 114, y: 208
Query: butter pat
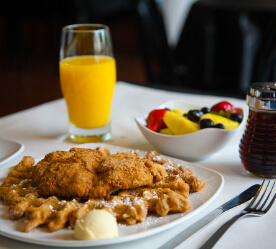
x: 97, y: 224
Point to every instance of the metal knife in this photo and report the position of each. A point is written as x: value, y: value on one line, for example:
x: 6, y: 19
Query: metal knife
x: 192, y: 230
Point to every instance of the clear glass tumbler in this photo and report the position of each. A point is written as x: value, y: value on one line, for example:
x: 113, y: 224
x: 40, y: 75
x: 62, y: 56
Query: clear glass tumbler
x: 87, y: 76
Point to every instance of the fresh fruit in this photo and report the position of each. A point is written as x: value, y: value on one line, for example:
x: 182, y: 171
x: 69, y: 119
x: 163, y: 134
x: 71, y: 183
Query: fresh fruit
x: 178, y: 124
x: 206, y: 123
x: 228, y: 124
x: 166, y: 131
x: 180, y: 111
x: 239, y: 110
x: 222, y: 115
x: 194, y: 115
x: 155, y: 119
x: 223, y: 108
x: 236, y: 117
x: 219, y: 126
x: 205, y: 110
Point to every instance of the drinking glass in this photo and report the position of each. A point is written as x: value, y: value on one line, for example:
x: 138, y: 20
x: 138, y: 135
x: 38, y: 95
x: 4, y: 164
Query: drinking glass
x: 87, y: 76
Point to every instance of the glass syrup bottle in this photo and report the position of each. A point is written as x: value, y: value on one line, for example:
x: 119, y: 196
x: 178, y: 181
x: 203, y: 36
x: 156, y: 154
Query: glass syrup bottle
x: 258, y: 143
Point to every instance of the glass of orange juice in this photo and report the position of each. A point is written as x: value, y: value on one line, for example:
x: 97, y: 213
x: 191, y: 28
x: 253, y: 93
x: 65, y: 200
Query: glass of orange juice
x: 87, y: 76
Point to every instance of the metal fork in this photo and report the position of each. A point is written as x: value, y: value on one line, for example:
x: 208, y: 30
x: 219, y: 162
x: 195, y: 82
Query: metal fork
x: 251, y: 209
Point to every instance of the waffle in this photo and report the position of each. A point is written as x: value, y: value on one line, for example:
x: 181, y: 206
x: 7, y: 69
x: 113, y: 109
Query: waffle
x: 129, y: 206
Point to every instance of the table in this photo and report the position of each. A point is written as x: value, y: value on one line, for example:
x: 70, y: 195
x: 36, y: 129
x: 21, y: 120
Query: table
x: 43, y: 129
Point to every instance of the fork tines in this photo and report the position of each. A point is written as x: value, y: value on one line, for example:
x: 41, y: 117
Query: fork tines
x: 264, y: 198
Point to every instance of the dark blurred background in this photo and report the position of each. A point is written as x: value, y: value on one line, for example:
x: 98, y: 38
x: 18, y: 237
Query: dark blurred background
x: 29, y: 46
x: 222, y: 47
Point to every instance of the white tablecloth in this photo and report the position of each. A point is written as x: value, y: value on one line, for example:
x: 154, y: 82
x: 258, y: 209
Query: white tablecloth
x: 43, y: 129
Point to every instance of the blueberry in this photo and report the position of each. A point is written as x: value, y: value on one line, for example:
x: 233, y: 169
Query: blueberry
x: 205, y: 110
x: 194, y: 115
x: 236, y: 117
x: 206, y: 123
x: 219, y: 126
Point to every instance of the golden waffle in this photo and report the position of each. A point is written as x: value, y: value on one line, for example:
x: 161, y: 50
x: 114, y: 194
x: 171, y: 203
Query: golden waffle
x: 159, y: 200
x: 180, y: 179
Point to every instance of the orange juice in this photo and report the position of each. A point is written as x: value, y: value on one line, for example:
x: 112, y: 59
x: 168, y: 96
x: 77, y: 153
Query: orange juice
x: 87, y: 84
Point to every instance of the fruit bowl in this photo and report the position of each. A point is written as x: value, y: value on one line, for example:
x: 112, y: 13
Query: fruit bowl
x: 195, y: 146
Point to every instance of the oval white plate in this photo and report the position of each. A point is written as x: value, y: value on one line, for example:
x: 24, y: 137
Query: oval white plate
x: 152, y: 225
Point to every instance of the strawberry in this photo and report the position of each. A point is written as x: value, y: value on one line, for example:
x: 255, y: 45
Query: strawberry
x: 155, y: 120
x: 223, y: 108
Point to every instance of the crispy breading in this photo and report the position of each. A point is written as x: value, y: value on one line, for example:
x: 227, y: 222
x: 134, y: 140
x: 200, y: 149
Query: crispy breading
x: 124, y: 171
x: 68, y: 173
x: 88, y: 173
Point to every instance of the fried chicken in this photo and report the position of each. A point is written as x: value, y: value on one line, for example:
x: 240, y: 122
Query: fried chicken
x: 90, y: 173
x: 125, y: 171
x: 68, y: 173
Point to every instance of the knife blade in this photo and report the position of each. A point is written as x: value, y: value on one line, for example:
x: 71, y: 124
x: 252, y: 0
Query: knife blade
x: 195, y: 228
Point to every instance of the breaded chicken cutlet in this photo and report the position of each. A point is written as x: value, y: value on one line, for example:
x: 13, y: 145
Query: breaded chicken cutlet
x: 125, y: 171
x: 68, y: 173
x: 88, y: 173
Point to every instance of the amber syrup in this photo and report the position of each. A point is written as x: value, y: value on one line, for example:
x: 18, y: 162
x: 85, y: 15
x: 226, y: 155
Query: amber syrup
x: 258, y: 144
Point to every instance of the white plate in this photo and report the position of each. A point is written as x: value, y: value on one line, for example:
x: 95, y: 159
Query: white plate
x: 9, y: 150
x: 152, y: 225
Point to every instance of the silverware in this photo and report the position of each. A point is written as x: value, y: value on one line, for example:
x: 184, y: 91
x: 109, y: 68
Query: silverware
x: 190, y: 231
x: 258, y: 209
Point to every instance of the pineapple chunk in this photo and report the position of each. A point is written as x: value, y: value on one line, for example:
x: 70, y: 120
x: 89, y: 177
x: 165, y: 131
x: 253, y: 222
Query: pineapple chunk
x: 178, y: 124
x: 228, y: 123
x: 166, y: 131
x: 180, y: 112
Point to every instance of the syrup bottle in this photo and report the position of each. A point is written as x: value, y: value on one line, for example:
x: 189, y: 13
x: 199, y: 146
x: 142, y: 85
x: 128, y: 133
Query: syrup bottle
x: 258, y: 143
